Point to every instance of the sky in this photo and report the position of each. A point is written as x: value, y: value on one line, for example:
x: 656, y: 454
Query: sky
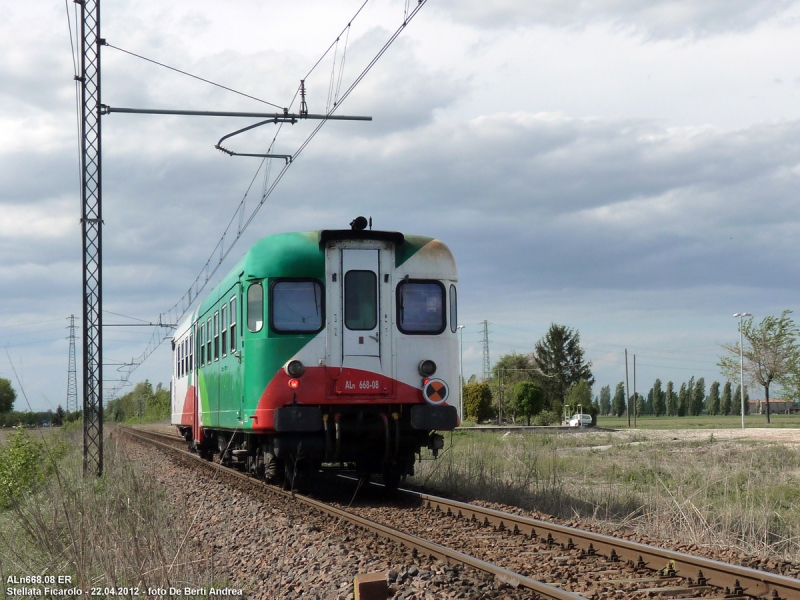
x: 627, y: 168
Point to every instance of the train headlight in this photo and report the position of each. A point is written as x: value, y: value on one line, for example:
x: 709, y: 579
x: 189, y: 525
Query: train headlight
x: 295, y: 368
x: 426, y: 367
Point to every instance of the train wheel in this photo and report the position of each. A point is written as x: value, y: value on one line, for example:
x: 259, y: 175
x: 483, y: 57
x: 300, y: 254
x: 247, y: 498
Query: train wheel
x: 290, y: 474
x: 272, y: 468
x: 391, y: 478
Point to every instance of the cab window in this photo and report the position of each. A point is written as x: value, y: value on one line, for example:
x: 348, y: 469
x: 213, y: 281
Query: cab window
x: 296, y: 306
x: 420, y: 307
x: 360, y: 300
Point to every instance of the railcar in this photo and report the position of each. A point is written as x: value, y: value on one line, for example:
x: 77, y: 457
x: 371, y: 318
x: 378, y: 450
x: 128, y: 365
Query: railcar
x: 325, y: 349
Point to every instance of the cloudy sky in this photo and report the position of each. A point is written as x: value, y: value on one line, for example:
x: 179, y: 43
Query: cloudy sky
x: 623, y: 167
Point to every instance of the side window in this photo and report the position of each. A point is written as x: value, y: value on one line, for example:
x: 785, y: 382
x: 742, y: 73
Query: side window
x: 233, y: 324
x: 216, y: 335
x: 224, y: 319
x: 453, y: 309
x: 180, y: 360
x: 420, y: 307
x: 255, y: 307
x: 295, y: 306
x: 185, y: 357
x: 191, y: 351
x: 201, y: 347
x: 208, y: 341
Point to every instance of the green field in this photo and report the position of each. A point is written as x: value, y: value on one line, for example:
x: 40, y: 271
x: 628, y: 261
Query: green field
x: 701, y: 422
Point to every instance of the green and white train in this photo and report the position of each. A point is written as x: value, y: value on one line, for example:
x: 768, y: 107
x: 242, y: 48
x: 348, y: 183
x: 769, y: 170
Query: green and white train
x: 324, y: 349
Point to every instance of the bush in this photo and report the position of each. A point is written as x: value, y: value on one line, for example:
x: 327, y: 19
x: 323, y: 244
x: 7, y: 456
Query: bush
x: 478, y: 401
x: 547, y: 417
x: 22, y: 461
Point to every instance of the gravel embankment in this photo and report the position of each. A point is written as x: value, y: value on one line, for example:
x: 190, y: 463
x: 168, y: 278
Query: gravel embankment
x: 280, y: 549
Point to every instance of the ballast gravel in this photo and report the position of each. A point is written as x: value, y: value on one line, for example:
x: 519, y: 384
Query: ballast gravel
x: 282, y: 549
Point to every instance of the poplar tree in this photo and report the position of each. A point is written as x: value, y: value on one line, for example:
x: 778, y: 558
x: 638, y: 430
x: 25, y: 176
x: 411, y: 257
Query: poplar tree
x: 697, y: 398
x: 618, y: 404
x: 736, y: 405
x: 658, y: 399
x: 683, y: 401
x: 605, y: 400
x: 725, y: 402
x: 671, y: 400
x: 712, y: 403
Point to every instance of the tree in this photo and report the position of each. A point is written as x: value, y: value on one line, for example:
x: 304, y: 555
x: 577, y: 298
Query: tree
x: 559, y: 358
x: 725, y: 401
x: 698, y: 396
x: 58, y: 418
x: 659, y: 407
x: 671, y: 400
x: 509, y: 370
x: 605, y: 400
x: 736, y: 407
x: 528, y: 399
x: 640, y: 405
x: 712, y: 402
x: 683, y: 401
x: 771, y: 353
x: 747, y: 402
x: 7, y: 396
x: 618, y: 404
x: 478, y: 401
x: 579, y: 398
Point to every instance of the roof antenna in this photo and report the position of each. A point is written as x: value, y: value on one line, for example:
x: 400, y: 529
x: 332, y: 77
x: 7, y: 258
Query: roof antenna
x: 370, y: 223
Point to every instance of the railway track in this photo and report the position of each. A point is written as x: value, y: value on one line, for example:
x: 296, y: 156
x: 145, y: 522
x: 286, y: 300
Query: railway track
x: 589, y: 564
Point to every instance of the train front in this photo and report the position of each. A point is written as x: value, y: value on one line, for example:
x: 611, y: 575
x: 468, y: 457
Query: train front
x: 378, y: 375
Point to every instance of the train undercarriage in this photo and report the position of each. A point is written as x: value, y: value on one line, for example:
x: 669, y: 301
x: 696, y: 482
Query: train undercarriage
x: 365, y: 440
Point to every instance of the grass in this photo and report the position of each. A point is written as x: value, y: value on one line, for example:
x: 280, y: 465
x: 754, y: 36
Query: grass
x: 701, y: 422
x: 111, y: 531
x: 724, y: 494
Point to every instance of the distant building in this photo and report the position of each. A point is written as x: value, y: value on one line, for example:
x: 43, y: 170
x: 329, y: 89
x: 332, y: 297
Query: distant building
x: 776, y: 405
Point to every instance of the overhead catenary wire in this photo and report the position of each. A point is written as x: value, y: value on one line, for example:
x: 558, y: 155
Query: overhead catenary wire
x: 219, y: 85
x: 177, y: 311
x: 174, y: 314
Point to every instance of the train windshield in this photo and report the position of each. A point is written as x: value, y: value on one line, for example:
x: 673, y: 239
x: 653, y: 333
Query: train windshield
x: 420, y: 307
x: 296, y: 306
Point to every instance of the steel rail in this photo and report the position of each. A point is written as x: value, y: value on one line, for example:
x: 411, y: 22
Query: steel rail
x: 410, y: 541
x: 737, y: 579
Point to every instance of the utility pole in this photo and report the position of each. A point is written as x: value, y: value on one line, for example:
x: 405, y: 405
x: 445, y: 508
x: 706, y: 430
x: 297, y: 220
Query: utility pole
x: 486, y: 364
x: 91, y: 224
x: 635, y: 397
x: 72, y: 371
x: 627, y: 390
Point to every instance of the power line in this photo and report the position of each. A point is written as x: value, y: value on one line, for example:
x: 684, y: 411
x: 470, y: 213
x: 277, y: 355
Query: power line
x: 219, y: 85
x: 220, y: 251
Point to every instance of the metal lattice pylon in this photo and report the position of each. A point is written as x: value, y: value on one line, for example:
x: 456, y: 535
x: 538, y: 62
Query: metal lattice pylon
x: 487, y: 370
x: 91, y: 223
x: 72, y: 371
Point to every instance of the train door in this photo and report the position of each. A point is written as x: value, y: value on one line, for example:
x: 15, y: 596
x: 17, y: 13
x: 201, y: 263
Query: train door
x: 360, y: 335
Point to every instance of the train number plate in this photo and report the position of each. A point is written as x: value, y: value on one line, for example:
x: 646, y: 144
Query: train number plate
x: 362, y: 383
